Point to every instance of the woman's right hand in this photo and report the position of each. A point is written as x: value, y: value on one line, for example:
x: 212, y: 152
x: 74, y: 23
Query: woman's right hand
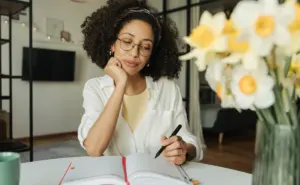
x: 115, y: 71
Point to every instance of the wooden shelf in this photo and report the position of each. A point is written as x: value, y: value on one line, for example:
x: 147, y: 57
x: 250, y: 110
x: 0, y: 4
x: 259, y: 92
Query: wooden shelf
x: 13, y: 76
x: 4, y: 97
x: 13, y: 146
x: 12, y: 7
x: 3, y: 41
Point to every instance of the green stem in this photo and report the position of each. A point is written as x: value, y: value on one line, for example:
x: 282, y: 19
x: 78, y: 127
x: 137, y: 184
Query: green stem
x: 282, y: 117
x: 288, y: 61
x: 293, y: 109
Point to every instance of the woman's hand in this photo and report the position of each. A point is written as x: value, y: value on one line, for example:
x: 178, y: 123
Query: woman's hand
x: 176, y: 149
x: 115, y: 71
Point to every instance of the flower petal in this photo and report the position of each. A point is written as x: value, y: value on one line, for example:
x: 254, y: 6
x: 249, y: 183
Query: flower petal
x: 210, y: 79
x: 282, y: 36
x: 286, y: 13
x: 213, y: 73
x: 218, y: 22
x: 242, y: 19
x: 251, y: 61
x: 201, y: 62
x: 266, y: 84
x: 206, y: 18
x: 294, y: 45
x: 228, y: 102
x: 262, y: 68
x: 261, y: 46
x: 192, y: 54
x: 190, y: 42
x: 270, y: 7
x: 220, y: 44
x: 244, y: 102
x: 232, y: 59
x: 264, y: 100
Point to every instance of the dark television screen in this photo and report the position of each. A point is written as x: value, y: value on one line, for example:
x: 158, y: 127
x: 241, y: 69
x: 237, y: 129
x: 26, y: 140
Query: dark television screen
x: 49, y: 65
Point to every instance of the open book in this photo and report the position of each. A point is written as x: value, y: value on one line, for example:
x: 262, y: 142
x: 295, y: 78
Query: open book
x: 136, y: 169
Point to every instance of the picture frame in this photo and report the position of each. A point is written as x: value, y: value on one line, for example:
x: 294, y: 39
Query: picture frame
x: 54, y: 27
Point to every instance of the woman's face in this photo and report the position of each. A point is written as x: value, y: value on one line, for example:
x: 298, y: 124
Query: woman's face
x: 134, y: 45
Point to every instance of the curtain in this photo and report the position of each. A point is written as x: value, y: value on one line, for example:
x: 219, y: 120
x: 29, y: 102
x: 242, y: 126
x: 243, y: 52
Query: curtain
x: 194, y: 105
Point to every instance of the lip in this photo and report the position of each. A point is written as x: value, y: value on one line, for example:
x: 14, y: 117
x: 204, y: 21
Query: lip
x: 131, y: 64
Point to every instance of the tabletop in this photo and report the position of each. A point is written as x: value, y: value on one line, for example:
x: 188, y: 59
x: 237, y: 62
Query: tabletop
x: 49, y: 172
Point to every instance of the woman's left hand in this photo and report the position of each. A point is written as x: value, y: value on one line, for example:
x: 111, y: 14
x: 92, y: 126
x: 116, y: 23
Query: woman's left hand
x: 176, y: 149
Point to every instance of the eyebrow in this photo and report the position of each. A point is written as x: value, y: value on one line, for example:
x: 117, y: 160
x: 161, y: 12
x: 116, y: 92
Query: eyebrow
x: 134, y: 36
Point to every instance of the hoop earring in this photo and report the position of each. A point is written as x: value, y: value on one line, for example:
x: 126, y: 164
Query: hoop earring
x: 148, y: 65
x: 110, y: 53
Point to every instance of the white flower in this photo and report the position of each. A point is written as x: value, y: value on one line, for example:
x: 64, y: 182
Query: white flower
x: 295, y: 25
x: 252, y: 88
x: 216, y: 77
x: 263, y: 23
x: 240, y: 51
x: 206, y: 38
x: 294, y: 28
x: 294, y: 44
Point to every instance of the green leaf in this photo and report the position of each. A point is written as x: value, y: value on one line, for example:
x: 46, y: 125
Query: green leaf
x: 288, y: 61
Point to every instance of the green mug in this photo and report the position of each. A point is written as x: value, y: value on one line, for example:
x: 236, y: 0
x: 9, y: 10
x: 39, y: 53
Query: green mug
x: 9, y: 168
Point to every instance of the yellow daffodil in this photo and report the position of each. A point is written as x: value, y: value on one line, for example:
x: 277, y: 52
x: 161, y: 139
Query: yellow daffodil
x: 252, y: 88
x: 295, y: 25
x: 294, y: 44
x: 205, y: 38
x: 294, y: 28
x: 239, y: 50
x: 216, y: 77
x: 264, y: 23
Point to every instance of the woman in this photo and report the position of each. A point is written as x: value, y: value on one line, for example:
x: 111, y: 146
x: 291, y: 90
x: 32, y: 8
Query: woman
x: 136, y: 105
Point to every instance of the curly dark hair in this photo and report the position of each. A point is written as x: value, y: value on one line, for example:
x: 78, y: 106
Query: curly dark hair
x: 100, y: 33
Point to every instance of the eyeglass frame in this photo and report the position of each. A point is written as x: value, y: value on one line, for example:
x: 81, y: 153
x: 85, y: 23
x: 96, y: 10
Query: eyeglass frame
x: 134, y: 44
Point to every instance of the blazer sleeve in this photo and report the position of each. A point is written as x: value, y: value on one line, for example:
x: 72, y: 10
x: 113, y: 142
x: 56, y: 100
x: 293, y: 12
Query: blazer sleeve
x: 93, y: 106
x: 185, y: 132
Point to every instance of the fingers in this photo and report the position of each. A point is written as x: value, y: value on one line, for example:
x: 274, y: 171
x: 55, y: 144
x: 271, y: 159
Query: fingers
x: 163, y: 138
x: 179, y: 146
x: 114, y: 61
x: 177, y: 160
x: 171, y: 140
x: 175, y: 152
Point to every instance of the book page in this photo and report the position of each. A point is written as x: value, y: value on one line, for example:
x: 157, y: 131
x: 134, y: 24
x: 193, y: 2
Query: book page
x: 96, y: 169
x: 144, y: 163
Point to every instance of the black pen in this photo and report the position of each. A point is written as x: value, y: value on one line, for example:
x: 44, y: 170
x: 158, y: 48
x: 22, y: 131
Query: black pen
x: 173, y: 134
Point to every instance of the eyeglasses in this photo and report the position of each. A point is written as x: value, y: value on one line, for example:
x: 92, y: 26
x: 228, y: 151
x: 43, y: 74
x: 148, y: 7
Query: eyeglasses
x: 144, y: 49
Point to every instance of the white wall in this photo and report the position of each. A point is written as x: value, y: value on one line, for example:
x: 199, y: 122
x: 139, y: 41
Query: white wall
x: 56, y: 105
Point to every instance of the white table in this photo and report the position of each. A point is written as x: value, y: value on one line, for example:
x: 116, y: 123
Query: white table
x: 49, y: 172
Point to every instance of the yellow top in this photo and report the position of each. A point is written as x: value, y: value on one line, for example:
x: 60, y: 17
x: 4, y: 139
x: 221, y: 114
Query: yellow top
x: 134, y: 108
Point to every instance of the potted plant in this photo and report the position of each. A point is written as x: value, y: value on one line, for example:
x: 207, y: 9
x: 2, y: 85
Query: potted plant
x: 252, y: 61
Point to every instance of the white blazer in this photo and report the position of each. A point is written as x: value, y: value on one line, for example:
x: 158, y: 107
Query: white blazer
x: 165, y: 111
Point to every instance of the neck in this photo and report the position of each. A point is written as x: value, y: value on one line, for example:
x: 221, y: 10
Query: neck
x: 135, y: 85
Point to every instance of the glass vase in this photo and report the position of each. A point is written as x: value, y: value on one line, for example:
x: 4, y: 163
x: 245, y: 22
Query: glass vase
x: 277, y: 160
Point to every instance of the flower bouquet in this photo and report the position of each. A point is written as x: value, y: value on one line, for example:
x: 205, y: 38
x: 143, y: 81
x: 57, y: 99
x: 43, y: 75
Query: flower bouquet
x: 252, y: 61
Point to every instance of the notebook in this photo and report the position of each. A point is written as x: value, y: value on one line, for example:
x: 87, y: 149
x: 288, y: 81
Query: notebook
x: 135, y: 169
